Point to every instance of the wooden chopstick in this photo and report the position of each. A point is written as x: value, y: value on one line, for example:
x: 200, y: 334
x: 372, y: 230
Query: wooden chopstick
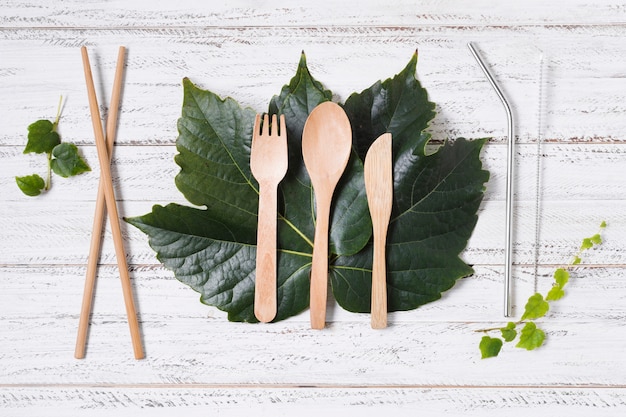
x: 96, y: 234
x: 109, y: 197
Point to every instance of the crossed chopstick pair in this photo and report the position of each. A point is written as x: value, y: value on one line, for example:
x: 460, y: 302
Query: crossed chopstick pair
x: 106, y: 196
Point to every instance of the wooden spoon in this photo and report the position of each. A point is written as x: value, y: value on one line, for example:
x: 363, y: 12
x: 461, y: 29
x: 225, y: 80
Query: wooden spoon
x: 379, y: 188
x: 326, y: 146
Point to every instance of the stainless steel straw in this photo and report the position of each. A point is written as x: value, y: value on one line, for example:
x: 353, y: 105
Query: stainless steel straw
x: 509, y: 183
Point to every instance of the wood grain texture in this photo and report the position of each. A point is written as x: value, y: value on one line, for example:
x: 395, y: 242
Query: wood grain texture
x: 278, y: 401
x: 241, y: 13
x: 346, y: 354
x: 146, y: 173
x: 473, y: 299
x: 583, y: 101
x: 427, y: 360
x: 63, y: 233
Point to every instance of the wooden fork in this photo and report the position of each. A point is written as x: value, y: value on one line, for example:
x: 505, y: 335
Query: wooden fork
x: 268, y: 163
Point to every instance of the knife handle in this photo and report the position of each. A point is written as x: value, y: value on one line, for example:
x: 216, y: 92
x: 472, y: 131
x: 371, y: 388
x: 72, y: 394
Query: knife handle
x: 379, y: 283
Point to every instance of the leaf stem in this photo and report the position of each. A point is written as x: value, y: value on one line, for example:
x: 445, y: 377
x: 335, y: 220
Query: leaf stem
x: 293, y: 252
x: 295, y: 229
x: 59, y: 109
x: 560, y: 280
x: 49, y: 176
x: 493, y: 329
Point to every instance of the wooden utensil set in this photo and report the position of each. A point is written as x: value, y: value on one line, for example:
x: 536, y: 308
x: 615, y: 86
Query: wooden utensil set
x: 326, y: 148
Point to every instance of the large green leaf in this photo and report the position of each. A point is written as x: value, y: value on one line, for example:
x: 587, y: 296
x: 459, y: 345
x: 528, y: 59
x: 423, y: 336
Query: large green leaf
x: 350, y: 223
x: 436, y: 198
x: 398, y: 105
x: 214, y: 159
x: 214, y: 155
x: 210, y: 257
x: 212, y: 249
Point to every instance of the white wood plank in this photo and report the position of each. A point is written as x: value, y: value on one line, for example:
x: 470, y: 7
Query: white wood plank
x: 427, y: 361
x: 146, y: 173
x: 241, y: 13
x: 52, y: 232
x: 200, y: 351
x: 478, y: 298
x: 229, y: 401
x: 434, y: 345
x: 583, y: 99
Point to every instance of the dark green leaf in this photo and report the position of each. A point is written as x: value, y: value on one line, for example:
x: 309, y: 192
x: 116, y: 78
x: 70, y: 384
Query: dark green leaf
x: 31, y: 185
x: 535, y: 307
x: 350, y: 222
x: 67, y: 162
x: 435, y: 202
x: 490, y: 347
x: 398, y: 105
x: 214, y: 158
x: 214, y: 154
x: 509, y: 333
x: 216, y: 260
x: 531, y: 337
x: 296, y: 100
x: 436, y: 198
x: 42, y: 137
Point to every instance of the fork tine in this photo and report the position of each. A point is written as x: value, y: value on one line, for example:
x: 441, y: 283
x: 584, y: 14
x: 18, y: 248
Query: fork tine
x: 266, y: 125
x: 274, y: 126
x: 283, y: 126
x: 256, y: 130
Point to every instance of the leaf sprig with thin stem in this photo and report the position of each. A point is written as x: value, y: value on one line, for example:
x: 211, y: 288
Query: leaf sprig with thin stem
x: 63, y: 158
x: 531, y: 337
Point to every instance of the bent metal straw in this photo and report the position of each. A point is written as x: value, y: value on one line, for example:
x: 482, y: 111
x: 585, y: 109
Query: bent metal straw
x: 509, y: 183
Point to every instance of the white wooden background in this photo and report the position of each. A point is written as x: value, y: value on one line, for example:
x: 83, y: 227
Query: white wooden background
x: 427, y: 361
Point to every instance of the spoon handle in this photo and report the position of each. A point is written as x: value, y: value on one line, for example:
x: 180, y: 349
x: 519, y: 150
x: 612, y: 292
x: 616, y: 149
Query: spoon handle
x: 319, y: 268
x: 265, y: 280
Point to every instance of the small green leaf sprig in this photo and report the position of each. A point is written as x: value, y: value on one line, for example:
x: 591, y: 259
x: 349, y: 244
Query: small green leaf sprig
x: 531, y: 337
x: 63, y: 158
